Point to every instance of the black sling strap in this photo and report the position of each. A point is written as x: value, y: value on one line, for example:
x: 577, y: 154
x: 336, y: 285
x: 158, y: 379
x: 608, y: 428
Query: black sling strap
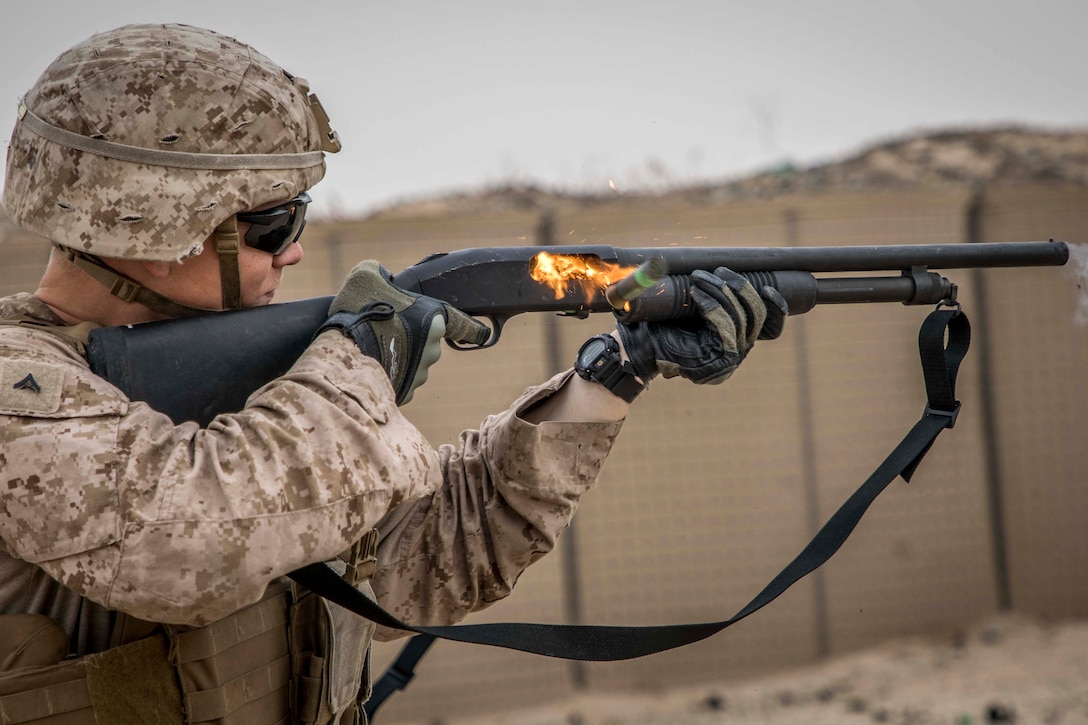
x: 940, y: 365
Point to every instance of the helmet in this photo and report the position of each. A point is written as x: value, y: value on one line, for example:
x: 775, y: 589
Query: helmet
x: 140, y: 142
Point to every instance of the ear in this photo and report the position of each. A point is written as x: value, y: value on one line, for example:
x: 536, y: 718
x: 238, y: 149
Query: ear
x: 160, y: 270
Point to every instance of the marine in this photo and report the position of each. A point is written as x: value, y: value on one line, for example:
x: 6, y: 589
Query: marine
x: 143, y: 562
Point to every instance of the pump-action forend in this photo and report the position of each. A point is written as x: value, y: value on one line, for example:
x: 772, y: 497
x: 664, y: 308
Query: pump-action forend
x: 193, y: 368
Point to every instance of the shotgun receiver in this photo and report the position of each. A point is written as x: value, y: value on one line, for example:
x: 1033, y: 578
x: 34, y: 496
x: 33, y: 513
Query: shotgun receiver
x: 196, y: 368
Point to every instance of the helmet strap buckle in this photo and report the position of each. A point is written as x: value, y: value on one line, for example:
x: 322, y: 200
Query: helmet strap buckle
x: 125, y: 289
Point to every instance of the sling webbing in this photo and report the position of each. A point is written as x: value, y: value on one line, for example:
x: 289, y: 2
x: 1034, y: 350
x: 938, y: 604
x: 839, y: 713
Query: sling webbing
x: 940, y: 365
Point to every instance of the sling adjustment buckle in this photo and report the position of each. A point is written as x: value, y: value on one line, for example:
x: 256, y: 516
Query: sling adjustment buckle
x: 950, y: 414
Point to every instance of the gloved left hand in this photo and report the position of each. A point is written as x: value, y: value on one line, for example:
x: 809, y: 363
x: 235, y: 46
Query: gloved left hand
x: 401, y: 330
x: 731, y: 316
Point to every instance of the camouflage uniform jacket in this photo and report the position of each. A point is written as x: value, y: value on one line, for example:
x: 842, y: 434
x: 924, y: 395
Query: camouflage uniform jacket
x: 107, y: 505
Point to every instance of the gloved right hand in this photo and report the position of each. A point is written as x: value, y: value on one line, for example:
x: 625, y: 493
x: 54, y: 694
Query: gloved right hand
x: 707, y: 349
x: 401, y: 330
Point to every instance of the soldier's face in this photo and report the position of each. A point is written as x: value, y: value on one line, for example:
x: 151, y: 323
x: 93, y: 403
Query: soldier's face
x: 195, y: 281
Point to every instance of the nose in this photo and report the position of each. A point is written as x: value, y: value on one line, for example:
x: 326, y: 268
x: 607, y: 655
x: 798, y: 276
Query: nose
x: 288, y: 257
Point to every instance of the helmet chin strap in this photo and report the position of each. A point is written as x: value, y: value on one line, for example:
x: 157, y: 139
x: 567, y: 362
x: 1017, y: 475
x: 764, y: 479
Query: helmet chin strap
x: 125, y: 288
x: 227, y: 244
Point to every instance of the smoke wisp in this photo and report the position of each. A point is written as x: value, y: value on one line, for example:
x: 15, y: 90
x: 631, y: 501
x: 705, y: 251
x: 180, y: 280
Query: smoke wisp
x: 1078, y: 267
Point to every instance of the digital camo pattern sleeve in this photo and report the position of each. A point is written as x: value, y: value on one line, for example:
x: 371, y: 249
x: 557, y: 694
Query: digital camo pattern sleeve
x: 180, y: 524
x: 510, y: 490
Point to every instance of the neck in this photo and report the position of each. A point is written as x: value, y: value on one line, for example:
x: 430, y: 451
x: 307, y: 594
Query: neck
x: 76, y: 297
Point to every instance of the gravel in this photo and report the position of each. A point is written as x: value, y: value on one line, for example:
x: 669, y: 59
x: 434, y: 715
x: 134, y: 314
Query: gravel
x: 1007, y: 669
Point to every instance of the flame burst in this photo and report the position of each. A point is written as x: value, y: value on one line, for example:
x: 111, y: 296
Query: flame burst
x: 588, y: 271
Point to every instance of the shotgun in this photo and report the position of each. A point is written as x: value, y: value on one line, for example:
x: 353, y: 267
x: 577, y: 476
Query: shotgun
x: 198, y: 367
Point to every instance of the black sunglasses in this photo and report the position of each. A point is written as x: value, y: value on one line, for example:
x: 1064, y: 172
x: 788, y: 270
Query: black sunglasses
x: 275, y: 229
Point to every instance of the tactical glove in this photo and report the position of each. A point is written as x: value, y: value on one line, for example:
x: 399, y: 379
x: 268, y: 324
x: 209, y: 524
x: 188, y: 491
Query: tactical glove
x: 706, y: 349
x: 401, y: 330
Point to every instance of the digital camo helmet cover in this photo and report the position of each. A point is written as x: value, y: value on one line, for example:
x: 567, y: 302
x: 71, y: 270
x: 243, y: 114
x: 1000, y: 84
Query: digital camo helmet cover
x: 140, y: 141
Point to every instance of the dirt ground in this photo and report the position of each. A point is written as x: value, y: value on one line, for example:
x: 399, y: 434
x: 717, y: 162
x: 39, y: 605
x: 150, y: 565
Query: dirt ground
x: 1005, y: 670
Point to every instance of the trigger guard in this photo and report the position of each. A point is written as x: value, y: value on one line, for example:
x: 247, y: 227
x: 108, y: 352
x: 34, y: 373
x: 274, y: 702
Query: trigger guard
x: 496, y: 333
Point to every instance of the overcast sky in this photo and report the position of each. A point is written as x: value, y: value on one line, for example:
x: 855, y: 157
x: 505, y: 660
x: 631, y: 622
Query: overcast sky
x: 443, y: 96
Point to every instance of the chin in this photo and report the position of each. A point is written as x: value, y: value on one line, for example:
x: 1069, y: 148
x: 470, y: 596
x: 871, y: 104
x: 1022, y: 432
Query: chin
x: 263, y: 300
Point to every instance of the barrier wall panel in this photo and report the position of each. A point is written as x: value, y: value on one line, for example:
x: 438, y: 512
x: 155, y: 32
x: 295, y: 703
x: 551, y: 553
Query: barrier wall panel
x: 920, y: 558
x: 455, y: 678
x: 1040, y: 358
x: 699, y: 507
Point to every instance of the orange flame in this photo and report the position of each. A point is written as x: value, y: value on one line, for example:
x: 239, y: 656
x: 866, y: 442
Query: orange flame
x: 556, y: 270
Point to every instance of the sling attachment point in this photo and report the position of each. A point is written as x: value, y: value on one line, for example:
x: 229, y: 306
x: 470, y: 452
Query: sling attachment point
x: 950, y: 414
x: 940, y: 365
x: 361, y: 559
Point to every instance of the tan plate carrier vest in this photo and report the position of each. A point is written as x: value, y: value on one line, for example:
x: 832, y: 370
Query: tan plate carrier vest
x: 292, y: 657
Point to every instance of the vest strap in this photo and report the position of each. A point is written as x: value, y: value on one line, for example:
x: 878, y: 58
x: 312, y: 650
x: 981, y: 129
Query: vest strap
x: 131, y: 683
x: 216, y: 638
x: 48, y: 704
x: 250, y: 687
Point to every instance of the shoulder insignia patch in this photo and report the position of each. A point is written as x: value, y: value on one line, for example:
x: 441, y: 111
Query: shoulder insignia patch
x: 28, y: 383
x: 30, y: 386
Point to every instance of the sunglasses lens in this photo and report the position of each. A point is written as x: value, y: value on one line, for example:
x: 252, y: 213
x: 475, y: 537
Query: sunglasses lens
x: 274, y: 230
